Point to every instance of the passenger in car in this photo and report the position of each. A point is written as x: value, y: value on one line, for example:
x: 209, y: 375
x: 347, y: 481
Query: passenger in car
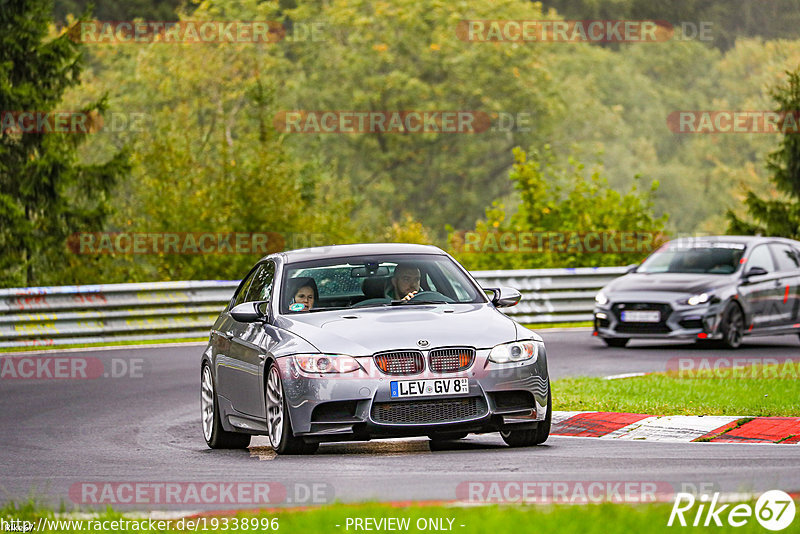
x: 405, y: 282
x: 304, y: 294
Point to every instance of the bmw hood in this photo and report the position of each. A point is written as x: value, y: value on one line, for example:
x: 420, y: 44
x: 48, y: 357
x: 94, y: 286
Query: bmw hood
x: 365, y: 331
x: 668, y: 282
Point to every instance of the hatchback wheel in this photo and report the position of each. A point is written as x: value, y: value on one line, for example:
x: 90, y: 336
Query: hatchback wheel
x: 216, y: 437
x: 534, y: 436
x: 732, y: 326
x: 279, y: 428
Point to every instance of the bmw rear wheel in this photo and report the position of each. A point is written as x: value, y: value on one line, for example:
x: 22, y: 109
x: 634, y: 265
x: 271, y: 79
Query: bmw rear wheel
x: 279, y: 428
x: 216, y: 437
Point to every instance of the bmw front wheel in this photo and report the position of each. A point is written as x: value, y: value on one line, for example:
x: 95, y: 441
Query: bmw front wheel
x: 279, y: 428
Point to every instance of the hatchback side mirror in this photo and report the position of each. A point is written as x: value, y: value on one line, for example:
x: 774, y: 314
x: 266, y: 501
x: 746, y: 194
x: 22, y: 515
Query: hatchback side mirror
x: 504, y: 297
x: 755, y: 271
x: 631, y: 268
x: 249, y: 312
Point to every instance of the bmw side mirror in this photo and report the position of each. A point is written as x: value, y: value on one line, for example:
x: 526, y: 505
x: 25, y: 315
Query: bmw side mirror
x: 249, y: 312
x: 505, y: 297
x: 631, y: 268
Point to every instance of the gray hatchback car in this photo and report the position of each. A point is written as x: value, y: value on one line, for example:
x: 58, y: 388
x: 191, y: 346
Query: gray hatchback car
x: 354, y: 342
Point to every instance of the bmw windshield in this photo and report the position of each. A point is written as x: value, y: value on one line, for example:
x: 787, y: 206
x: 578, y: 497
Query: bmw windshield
x: 377, y: 280
x: 698, y: 258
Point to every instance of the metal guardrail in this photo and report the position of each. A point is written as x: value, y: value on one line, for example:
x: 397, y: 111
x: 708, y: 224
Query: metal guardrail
x: 50, y: 316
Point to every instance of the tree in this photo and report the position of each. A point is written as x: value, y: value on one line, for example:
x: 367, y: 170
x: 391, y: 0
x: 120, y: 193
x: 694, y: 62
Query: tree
x: 780, y: 214
x: 563, y: 219
x: 45, y: 192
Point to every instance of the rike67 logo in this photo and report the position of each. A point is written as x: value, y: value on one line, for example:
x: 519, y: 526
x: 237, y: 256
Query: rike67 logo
x: 774, y: 510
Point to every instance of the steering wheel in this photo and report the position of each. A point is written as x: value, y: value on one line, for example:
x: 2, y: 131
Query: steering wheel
x: 431, y: 295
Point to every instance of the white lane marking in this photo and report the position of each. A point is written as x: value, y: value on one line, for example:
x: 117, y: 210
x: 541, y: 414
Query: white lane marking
x: 674, y: 428
x: 624, y: 375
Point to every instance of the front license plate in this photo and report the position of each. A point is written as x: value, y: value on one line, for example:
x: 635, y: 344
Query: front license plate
x: 439, y: 386
x: 641, y: 316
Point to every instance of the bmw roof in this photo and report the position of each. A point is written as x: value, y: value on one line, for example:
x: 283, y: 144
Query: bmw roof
x: 360, y: 249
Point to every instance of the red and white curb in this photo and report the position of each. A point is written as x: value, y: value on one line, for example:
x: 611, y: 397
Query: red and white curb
x: 677, y: 428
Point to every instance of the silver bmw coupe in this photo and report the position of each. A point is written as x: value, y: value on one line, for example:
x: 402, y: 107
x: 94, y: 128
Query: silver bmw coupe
x: 355, y: 342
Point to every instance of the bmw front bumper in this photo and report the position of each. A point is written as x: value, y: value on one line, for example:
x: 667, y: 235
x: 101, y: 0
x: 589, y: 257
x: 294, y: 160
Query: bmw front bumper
x: 359, y: 405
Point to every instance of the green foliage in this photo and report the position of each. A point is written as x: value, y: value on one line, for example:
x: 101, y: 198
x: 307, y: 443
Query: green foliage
x: 565, y: 203
x: 780, y: 214
x: 45, y: 193
x: 160, y: 10
x: 405, y: 55
x: 729, y: 19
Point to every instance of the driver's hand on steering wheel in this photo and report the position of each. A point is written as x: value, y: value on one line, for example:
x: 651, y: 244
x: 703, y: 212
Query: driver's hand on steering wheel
x: 410, y: 295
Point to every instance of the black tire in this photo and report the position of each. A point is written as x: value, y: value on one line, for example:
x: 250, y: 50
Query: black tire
x: 282, y: 440
x: 616, y: 341
x: 533, y: 436
x: 732, y: 326
x: 218, y: 437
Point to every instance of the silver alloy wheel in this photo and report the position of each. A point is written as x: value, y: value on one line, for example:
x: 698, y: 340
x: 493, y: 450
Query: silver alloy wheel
x: 274, y: 407
x: 207, y: 403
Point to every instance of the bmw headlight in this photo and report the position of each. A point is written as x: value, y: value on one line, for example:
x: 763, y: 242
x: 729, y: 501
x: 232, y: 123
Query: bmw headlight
x: 326, y: 363
x: 601, y: 299
x: 517, y: 351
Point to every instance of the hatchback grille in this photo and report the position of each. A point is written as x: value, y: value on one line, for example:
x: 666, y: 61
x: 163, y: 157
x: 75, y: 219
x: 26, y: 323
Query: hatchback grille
x: 400, y: 363
x: 642, y: 328
x: 451, y: 360
x: 435, y: 411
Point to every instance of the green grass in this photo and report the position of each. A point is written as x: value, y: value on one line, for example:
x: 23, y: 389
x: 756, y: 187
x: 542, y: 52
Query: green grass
x: 542, y: 326
x: 671, y: 394
x: 105, y: 344
x: 603, y: 518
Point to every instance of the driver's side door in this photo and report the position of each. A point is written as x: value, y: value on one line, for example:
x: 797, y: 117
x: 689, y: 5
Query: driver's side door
x: 249, y: 349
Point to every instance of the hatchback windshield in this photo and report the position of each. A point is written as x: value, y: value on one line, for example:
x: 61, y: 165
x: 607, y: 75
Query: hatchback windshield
x: 704, y: 258
x: 384, y: 280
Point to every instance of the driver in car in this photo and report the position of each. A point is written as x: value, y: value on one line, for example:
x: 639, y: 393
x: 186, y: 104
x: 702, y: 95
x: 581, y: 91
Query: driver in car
x: 405, y: 282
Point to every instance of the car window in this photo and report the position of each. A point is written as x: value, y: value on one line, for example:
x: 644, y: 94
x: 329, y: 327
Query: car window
x: 240, y: 296
x: 261, y: 287
x: 367, y: 281
x: 760, y: 257
x: 701, y: 258
x: 786, y: 257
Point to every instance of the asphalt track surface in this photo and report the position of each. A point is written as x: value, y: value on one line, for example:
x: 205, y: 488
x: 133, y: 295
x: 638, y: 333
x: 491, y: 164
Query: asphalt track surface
x: 58, y: 434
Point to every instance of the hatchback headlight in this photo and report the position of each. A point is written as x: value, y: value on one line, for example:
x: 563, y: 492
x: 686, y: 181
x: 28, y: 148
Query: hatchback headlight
x: 601, y: 299
x: 702, y: 298
x: 326, y: 363
x: 517, y: 351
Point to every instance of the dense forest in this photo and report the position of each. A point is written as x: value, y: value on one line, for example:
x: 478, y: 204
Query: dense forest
x: 578, y: 138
